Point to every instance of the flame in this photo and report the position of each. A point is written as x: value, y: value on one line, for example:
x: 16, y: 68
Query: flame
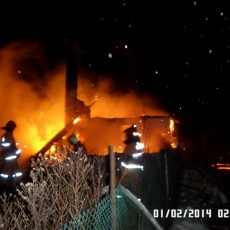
x: 29, y: 97
x: 172, y: 125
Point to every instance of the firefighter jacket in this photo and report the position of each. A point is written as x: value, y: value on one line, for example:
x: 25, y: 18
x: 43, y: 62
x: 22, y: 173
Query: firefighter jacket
x: 8, y: 146
x: 10, y: 152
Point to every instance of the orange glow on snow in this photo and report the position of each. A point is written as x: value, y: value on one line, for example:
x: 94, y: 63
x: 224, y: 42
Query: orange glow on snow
x: 221, y: 166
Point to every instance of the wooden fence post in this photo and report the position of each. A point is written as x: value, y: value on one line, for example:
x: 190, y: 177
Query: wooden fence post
x: 113, y: 186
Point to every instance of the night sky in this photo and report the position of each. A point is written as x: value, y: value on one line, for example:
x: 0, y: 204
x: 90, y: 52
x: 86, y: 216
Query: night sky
x: 178, y: 51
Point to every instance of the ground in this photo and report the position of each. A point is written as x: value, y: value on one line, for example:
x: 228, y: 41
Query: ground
x: 205, y: 190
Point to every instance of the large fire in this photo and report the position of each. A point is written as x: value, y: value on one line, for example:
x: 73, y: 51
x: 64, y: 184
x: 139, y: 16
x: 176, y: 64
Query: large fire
x: 34, y: 97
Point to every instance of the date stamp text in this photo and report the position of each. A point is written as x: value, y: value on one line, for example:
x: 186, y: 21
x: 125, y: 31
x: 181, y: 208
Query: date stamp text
x: 190, y: 213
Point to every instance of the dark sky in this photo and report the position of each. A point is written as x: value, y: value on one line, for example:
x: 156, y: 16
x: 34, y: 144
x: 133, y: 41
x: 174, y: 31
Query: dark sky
x: 176, y: 50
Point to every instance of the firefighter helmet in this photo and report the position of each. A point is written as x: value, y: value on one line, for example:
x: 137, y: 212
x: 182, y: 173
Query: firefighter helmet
x: 10, y: 125
x: 73, y: 139
x: 131, y: 129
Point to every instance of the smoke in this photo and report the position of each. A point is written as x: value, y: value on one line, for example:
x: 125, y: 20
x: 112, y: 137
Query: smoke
x: 110, y: 103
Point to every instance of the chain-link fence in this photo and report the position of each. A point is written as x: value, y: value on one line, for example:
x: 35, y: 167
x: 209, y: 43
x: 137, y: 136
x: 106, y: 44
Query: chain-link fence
x: 118, y: 210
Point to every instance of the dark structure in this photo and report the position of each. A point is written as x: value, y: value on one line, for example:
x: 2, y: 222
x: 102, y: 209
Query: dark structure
x: 71, y: 80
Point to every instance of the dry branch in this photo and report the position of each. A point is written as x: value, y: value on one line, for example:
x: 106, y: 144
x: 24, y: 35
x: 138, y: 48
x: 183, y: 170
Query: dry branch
x: 56, y: 193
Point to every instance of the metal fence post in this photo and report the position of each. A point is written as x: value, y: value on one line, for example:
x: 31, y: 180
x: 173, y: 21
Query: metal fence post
x: 112, y: 169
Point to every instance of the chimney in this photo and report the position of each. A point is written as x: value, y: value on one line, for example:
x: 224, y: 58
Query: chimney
x: 71, y: 80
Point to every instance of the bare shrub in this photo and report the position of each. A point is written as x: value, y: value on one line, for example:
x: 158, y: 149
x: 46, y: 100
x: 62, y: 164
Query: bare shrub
x: 56, y: 193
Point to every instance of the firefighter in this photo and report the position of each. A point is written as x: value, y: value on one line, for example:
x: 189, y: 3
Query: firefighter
x: 76, y: 144
x: 10, y: 153
x: 132, y: 141
x: 131, y: 134
x: 132, y: 167
x: 133, y: 149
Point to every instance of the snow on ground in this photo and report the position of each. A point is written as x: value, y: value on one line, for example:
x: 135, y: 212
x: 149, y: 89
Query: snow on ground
x: 202, y: 195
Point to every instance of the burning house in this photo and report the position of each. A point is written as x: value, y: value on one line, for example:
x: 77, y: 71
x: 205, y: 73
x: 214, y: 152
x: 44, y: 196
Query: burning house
x: 54, y: 104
